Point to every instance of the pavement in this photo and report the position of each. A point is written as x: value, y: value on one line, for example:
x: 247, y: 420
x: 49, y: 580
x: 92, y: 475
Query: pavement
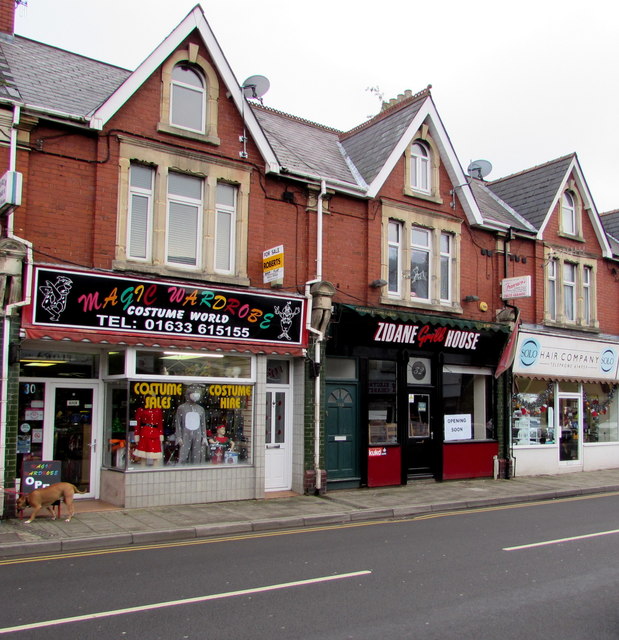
x: 98, y: 525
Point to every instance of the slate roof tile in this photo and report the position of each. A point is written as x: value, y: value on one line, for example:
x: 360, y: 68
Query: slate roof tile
x: 56, y: 80
x: 531, y: 192
x: 493, y: 209
x: 304, y: 147
x: 370, y: 145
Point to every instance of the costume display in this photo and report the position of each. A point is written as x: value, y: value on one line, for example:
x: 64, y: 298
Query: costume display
x: 148, y: 434
x: 220, y: 444
x: 190, y: 428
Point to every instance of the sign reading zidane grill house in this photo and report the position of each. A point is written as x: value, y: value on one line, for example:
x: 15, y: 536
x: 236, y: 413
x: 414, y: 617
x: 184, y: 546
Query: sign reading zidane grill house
x: 539, y: 354
x: 75, y: 299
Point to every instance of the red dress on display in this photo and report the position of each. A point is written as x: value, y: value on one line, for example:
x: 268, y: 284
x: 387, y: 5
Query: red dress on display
x: 149, y: 428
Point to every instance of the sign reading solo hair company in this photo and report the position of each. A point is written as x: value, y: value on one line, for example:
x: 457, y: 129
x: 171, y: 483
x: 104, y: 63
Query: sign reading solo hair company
x: 557, y: 357
x: 119, y: 304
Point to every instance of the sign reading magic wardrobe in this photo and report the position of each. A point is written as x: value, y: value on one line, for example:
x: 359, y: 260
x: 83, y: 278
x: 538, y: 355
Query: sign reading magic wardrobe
x: 78, y: 299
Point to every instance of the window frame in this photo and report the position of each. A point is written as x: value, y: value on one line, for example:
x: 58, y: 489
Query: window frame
x: 222, y: 209
x: 192, y: 58
x: 431, y: 166
x: 163, y: 161
x: 176, y: 97
x: 437, y: 229
x: 580, y: 289
x: 421, y: 167
x: 185, y: 201
x: 148, y: 194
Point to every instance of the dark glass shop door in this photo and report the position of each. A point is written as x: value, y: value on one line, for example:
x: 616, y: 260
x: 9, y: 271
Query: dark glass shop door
x: 420, y: 442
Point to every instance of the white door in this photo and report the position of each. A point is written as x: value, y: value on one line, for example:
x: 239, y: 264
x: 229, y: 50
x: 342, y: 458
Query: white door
x: 71, y: 430
x: 277, y: 462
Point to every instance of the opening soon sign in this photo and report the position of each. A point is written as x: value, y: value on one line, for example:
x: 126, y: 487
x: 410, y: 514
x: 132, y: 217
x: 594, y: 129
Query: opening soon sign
x: 458, y: 427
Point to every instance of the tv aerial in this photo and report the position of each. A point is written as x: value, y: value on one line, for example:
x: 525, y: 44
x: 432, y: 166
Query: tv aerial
x: 255, y: 87
x: 479, y: 169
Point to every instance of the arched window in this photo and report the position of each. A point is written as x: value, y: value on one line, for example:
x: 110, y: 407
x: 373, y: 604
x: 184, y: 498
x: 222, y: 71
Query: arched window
x: 421, y: 167
x: 568, y: 213
x: 187, y: 98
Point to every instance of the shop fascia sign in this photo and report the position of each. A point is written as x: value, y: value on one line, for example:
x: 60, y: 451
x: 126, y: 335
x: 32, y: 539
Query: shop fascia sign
x: 10, y: 190
x: 561, y: 357
x: 519, y: 287
x: 420, y: 335
x: 119, y: 304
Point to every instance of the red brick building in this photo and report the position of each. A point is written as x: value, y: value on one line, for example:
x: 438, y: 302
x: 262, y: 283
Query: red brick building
x: 207, y: 299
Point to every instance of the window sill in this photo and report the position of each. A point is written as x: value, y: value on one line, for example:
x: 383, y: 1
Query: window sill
x: 430, y: 197
x: 571, y: 236
x: 422, y: 306
x: 186, y: 274
x: 192, y: 135
x: 573, y: 326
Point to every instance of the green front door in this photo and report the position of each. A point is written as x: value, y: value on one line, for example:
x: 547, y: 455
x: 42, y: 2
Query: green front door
x: 342, y: 436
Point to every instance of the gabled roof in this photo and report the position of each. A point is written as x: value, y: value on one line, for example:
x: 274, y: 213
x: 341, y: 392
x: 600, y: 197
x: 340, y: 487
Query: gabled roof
x: 66, y: 85
x: 360, y: 160
x: 534, y: 193
x: 195, y: 20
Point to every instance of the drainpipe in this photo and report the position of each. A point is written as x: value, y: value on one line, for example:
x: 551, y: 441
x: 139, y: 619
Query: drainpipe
x: 319, y: 337
x: 8, y: 310
x: 508, y: 451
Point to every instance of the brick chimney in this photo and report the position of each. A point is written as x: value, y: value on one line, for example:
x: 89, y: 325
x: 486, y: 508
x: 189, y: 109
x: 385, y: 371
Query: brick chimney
x: 7, y: 16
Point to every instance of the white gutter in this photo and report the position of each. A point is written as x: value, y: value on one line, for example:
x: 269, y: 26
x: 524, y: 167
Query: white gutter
x: 319, y: 335
x: 8, y: 310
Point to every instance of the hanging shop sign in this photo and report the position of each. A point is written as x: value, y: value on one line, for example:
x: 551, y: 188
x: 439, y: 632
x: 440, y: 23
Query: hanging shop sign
x: 519, y: 287
x: 80, y: 300
x: 555, y: 356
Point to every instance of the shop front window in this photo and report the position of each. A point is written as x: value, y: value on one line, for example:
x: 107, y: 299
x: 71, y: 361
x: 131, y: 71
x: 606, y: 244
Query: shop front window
x: 176, y: 424
x: 382, y: 402
x: 467, y: 403
x: 532, y: 413
x: 601, y: 413
x: 41, y: 363
x: 194, y: 364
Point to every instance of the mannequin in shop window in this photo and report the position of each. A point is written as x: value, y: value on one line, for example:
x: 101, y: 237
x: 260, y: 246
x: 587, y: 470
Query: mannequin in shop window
x: 148, y: 435
x: 220, y: 444
x: 190, y: 427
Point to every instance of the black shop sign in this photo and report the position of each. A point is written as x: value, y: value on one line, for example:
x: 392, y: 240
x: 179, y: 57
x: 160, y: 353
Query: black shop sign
x: 111, y: 304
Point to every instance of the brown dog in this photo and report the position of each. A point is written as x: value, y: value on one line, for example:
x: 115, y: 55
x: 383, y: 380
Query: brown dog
x: 46, y: 497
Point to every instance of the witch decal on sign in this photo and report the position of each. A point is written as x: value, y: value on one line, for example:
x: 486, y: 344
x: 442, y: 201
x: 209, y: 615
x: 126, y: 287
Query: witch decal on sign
x: 55, y: 295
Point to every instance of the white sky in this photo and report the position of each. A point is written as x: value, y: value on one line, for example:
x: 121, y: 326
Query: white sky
x: 516, y: 83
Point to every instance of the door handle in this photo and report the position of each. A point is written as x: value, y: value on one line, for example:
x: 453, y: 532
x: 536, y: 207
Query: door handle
x: 93, y: 445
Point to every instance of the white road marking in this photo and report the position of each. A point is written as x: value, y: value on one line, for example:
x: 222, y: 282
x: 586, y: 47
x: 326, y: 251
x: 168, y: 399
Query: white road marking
x: 560, y: 540
x: 174, y: 603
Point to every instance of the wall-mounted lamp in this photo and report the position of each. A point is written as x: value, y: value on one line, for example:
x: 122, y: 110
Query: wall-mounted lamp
x: 471, y: 298
x: 377, y: 284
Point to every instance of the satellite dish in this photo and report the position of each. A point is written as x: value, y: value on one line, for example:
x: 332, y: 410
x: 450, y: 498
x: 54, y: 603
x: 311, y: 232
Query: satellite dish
x: 255, y: 87
x: 479, y: 169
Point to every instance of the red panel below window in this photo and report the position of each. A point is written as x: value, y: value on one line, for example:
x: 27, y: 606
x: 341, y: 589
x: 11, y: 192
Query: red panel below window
x: 469, y: 460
